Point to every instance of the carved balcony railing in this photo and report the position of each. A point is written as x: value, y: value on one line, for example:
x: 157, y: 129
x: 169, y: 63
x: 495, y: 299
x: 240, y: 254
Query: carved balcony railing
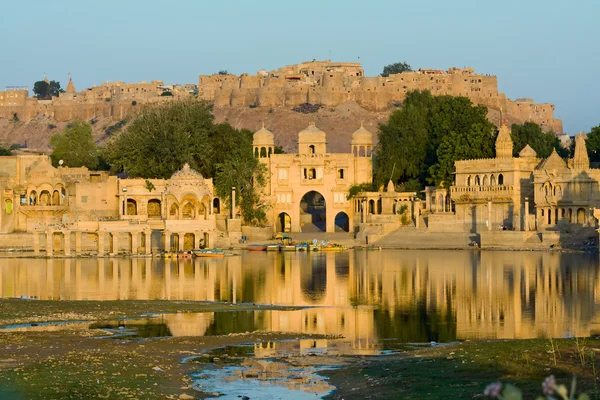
x: 495, y: 192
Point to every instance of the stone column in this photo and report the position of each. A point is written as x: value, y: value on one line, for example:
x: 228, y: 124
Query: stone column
x: 134, y: 242
x: 67, y: 243
x: 489, y: 215
x: 526, y: 224
x: 36, y: 243
x: 181, y: 237
x: 148, y: 242
x: 115, y: 244
x: 49, y: 243
x: 363, y: 213
x: 77, y: 242
x: 101, y: 236
x: 167, y: 241
x: 233, y: 202
x: 417, y: 214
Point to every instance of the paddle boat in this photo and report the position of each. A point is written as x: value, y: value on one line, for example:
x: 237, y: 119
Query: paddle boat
x: 209, y: 253
x: 256, y: 247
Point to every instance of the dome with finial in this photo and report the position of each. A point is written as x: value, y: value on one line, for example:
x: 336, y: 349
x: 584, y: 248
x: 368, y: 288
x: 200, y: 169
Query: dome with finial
x: 581, y: 159
x: 390, y: 187
x: 527, y: 152
x: 263, y: 137
x: 553, y: 162
x: 312, y: 134
x: 362, y: 136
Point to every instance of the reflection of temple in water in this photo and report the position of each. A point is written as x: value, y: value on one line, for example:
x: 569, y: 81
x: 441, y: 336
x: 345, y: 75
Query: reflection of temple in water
x: 365, y: 296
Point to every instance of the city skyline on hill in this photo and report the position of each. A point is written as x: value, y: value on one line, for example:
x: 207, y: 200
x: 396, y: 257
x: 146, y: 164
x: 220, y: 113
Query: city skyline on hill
x: 540, y: 50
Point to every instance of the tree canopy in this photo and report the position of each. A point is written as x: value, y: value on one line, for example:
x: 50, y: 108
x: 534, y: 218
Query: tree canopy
x: 532, y: 134
x: 396, y: 68
x: 75, y: 146
x: 5, y: 152
x: 592, y: 143
x: 45, y: 90
x: 163, y: 137
x: 420, y: 142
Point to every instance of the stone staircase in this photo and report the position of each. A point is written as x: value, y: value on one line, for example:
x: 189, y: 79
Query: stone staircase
x: 412, y: 238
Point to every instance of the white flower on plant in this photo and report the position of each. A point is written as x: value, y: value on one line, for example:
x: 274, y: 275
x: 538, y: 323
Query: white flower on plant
x: 493, y: 390
x: 549, y: 385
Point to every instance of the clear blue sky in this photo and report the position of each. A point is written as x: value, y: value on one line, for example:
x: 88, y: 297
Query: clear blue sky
x: 545, y: 49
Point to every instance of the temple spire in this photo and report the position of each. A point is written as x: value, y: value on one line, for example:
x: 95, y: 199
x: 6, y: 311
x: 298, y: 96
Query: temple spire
x: 504, y: 143
x: 580, y: 159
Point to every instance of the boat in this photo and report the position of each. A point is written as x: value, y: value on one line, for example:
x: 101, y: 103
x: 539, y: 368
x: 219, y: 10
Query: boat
x: 256, y: 247
x: 209, y: 253
x: 273, y: 247
x: 302, y: 247
x: 288, y: 247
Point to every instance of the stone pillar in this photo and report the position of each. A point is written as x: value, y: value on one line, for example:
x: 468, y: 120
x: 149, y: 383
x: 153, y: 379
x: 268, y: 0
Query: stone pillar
x: 67, y: 243
x: 115, y: 243
x: 36, y: 243
x: 148, y: 242
x: 134, y: 242
x: 363, y: 212
x: 77, y: 242
x: 101, y: 236
x: 167, y: 240
x: 489, y: 215
x: 181, y: 237
x: 417, y: 214
x: 233, y: 202
x: 49, y: 243
x: 526, y: 225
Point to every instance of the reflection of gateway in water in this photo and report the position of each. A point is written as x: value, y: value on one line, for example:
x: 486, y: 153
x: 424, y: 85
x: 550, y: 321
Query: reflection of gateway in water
x: 412, y: 295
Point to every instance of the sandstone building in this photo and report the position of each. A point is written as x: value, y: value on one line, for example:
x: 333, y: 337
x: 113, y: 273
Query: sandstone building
x: 331, y: 83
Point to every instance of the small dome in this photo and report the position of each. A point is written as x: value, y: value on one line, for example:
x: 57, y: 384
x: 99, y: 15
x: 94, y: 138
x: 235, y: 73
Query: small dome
x: 263, y: 137
x: 312, y: 134
x: 527, y: 152
x: 362, y: 136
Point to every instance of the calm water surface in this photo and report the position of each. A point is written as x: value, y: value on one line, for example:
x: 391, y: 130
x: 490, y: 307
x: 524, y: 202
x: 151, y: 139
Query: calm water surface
x: 369, y: 297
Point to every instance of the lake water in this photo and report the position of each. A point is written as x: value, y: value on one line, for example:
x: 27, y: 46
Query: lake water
x: 371, y: 298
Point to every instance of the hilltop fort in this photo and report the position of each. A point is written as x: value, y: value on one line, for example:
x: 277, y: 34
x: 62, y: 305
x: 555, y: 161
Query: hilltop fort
x: 335, y: 94
x: 330, y: 84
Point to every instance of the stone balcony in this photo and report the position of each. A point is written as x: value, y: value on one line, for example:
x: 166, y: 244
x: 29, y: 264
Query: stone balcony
x: 465, y: 194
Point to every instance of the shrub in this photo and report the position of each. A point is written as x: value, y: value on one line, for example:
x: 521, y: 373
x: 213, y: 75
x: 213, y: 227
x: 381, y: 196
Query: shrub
x: 134, y: 103
x: 307, y: 108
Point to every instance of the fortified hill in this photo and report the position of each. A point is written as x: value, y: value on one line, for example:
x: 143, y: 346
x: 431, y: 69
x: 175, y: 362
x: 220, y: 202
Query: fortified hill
x: 330, y: 84
x: 341, y: 91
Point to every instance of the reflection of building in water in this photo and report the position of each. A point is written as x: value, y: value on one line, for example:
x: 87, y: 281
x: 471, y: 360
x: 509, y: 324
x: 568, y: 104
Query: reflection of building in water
x: 362, y: 295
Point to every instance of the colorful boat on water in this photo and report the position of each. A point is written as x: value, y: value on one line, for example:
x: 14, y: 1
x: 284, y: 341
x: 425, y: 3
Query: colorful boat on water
x: 256, y: 247
x: 215, y: 253
x: 288, y: 247
x: 302, y: 247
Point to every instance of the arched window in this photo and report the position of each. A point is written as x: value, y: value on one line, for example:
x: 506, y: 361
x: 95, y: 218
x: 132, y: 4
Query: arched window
x: 131, y: 207
x: 340, y: 173
x: 154, y: 208
x: 312, y: 173
x: 256, y: 152
x: 484, y: 182
x: 263, y: 152
x: 270, y: 151
x: 311, y: 149
x: 493, y: 180
x: 477, y: 181
x: 188, y: 211
x: 500, y: 179
x: 469, y: 180
x: 216, y: 206
x: 174, y: 210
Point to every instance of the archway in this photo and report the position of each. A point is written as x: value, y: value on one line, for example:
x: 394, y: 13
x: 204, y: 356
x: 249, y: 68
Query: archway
x: 44, y: 198
x: 342, y: 222
x: 131, y: 207
x: 284, y: 222
x: 56, y: 198
x: 188, y: 211
x: 581, y: 216
x: 313, y: 212
x: 33, y: 198
x: 216, y: 206
x: 154, y: 208
x: 189, y: 240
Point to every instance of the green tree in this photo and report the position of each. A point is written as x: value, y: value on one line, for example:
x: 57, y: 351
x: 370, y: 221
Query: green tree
x: 532, y: 134
x: 45, y: 90
x: 396, y: 68
x: 409, y: 141
x: 163, y: 137
x: 592, y: 143
x: 75, y: 146
x: 223, y: 72
x: 477, y: 142
x: 5, y: 152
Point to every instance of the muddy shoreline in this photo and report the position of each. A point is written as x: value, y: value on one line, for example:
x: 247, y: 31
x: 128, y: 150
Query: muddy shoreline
x: 78, y: 362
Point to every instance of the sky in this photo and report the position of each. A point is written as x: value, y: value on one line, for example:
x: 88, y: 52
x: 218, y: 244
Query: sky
x: 546, y: 50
